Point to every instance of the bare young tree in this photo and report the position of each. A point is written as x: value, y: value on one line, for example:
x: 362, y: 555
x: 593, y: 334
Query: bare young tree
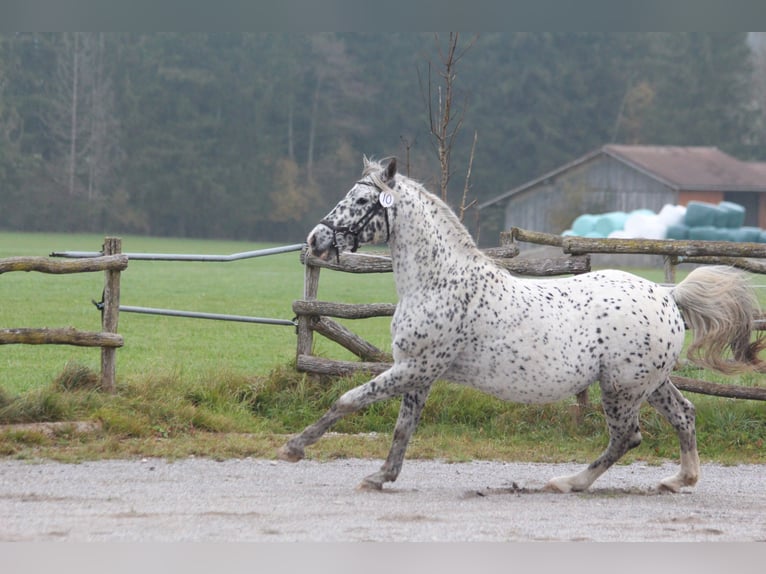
x: 444, y: 121
x: 81, y: 118
x: 101, y: 149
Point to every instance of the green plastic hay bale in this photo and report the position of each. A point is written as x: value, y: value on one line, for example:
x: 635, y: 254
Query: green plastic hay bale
x: 706, y: 233
x: 749, y: 234
x: 678, y: 231
x: 733, y: 214
x: 701, y: 214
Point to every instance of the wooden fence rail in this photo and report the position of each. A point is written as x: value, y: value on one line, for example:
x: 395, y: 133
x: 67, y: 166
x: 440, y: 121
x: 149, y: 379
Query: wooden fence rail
x: 676, y: 251
x: 111, y: 263
x: 117, y: 262
x: 679, y: 247
x: 313, y: 315
x: 502, y: 256
x: 65, y: 336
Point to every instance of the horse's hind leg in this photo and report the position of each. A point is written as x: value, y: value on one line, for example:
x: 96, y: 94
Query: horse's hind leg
x: 680, y: 413
x: 621, y: 410
x: 409, y: 415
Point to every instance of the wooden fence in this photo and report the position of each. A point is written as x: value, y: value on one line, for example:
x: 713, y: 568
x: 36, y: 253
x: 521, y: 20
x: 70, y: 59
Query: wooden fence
x: 112, y: 262
x: 317, y: 316
x: 676, y: 251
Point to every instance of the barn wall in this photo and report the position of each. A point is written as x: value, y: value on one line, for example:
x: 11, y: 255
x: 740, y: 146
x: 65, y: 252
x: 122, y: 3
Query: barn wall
x: 599, y: 185
x: 751, y: 201
x: 685, y: 196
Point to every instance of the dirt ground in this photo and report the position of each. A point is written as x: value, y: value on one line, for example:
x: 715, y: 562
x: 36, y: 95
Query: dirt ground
x: 200, y: 500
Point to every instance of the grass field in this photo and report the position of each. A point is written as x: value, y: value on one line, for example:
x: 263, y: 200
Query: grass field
x: 193, y: 386
x: 261, y: 287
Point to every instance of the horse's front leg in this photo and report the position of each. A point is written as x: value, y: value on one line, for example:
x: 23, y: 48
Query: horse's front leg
x: 294, y: 449
x: 397, y: 380
x: 409, y: 415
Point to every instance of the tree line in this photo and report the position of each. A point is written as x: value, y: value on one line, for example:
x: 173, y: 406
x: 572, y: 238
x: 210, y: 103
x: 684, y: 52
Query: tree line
x: 256, y: 135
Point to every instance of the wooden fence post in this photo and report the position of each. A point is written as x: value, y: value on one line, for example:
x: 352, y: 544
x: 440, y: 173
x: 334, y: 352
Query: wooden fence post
x: 310, y: 290
x: 670, y: 268
x: 110, y: 315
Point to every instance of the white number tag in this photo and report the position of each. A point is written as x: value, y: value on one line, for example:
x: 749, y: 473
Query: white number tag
x: 386, y: 199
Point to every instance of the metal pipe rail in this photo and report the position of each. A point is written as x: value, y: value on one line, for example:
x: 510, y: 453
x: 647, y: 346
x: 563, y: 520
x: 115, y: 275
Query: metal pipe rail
x: 186, y: 256
x: 199, y: 315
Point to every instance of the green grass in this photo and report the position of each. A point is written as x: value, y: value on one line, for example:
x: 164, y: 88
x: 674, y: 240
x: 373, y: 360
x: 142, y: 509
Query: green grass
x: 236, y: 416
x: 190, y: 386
x: 171, y: 346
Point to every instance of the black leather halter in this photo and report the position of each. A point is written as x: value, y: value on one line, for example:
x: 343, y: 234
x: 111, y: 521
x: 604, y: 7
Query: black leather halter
x: 355, y: 229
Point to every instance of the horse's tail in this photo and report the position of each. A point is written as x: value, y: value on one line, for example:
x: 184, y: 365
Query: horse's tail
x: 720, y: 307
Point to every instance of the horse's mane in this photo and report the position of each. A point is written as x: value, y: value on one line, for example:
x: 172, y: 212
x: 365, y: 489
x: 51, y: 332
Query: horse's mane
x: 374, y: 168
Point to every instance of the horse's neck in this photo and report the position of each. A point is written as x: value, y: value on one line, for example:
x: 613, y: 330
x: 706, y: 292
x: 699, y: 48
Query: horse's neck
x: 426, y: 244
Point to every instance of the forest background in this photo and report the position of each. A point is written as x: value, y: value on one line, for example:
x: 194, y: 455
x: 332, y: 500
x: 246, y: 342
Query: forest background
x: 255, y: 136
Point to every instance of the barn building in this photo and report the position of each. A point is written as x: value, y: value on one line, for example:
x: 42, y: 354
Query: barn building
x: 629, y: 177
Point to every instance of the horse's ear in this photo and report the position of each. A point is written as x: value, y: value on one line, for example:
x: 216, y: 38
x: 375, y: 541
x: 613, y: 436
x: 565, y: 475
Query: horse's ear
x: 390, y: 170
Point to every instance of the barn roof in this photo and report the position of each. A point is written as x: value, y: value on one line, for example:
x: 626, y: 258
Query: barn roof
x: 694, y: 168
x: 691, y: 168
x: 760, y: 167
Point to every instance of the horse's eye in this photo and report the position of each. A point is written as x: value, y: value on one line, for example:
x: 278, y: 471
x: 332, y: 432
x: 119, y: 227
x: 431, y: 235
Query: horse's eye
x: 362, y: 201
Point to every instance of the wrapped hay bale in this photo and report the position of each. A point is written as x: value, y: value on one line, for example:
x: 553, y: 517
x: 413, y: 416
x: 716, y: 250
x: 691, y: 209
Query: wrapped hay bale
x: 677, y: 231
x: 584, y: 224
x: 672, y: 214
x: 749, y: 234
x: 645, y: 224
x: 709, y: 233
x: 606, y: 223
x: 731, y: 215
x: 702, y: 214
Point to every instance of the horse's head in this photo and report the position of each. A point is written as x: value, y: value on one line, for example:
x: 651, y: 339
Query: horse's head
x: 360, y: 217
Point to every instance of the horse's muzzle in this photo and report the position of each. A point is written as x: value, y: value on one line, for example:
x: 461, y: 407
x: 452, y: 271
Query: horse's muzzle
x: 321, y: 242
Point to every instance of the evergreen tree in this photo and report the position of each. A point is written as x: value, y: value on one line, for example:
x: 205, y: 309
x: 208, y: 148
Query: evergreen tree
x: 701, y: 82
x: 254, y: 135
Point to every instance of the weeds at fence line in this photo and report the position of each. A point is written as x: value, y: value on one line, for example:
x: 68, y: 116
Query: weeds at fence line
x: 231, y: 415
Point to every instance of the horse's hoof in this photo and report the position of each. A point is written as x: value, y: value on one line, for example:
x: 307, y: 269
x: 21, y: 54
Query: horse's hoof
x: 289, y: 453
x: 558, y: 485
x: 368, y: 484
x: 669, y: 485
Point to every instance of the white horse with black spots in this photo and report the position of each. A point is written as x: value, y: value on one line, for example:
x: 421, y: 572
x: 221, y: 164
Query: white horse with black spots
x: 462, y: 318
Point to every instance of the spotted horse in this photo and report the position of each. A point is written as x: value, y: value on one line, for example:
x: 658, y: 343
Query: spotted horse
x: 462, y: 318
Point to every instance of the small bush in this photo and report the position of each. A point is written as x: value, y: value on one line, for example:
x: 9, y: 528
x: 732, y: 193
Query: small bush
x: 76, y: 377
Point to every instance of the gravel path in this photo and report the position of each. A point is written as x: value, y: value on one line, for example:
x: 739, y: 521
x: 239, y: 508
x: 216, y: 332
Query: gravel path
x: 261, y: 500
